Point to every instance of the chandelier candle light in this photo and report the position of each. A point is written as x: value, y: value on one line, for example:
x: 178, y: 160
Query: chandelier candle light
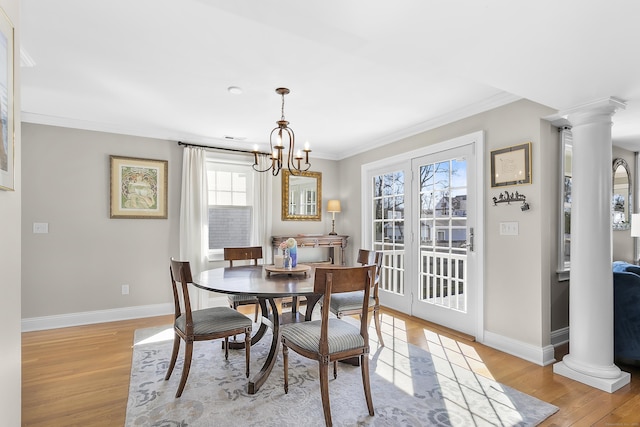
x: 333, y: 206
x: 281, y: 132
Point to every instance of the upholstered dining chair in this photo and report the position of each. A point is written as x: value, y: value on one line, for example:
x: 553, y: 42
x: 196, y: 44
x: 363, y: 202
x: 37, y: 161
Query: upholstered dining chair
x: 351, y: 303
x: 249, y: 253
x: 329, y: 340
x: 201, y: 325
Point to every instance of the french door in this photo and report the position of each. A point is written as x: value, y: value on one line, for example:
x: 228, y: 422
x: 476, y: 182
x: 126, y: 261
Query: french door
x: 424, y: 220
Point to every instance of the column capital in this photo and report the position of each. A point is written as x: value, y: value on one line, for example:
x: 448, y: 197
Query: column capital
x: 595, y: 111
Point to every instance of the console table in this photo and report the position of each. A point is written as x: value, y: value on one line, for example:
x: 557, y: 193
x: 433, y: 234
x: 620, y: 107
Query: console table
x: 315, y: 241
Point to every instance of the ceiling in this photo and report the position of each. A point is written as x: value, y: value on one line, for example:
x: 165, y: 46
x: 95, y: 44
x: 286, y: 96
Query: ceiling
x: 362, y: 73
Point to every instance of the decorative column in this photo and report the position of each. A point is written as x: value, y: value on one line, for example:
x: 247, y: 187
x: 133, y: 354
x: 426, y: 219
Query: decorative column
x: 590, y: 358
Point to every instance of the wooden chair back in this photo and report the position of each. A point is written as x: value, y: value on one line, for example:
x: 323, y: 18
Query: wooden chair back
x: 328, y: 281
x: 243, y: 253
x: 366, y: 257
x: 181, y: 274
x: 213, y: 323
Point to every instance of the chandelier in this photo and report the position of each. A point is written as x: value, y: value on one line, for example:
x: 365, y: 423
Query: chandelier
x: 280, y: 133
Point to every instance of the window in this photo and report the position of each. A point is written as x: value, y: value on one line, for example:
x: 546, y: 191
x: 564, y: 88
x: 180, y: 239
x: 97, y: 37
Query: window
x: 564, y: 244
x: 230, y: 205
x: 388, y: 228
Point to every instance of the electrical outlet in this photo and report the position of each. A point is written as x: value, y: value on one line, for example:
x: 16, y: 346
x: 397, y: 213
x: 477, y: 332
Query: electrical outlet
x: 125, y: 289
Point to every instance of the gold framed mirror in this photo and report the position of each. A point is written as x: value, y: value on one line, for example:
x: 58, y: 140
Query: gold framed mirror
x: 301, y: 196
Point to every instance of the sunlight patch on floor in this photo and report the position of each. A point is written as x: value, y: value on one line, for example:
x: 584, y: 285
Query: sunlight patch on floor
x: 456, y: 352
x: 163, y: 335
x: 393, y: 360
x: 465, y: 380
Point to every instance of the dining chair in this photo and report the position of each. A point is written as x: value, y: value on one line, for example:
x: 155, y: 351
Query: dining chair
x: 201, y: 325
x: 329, y: 340
x: 249, y: 253
x: 351, y: 303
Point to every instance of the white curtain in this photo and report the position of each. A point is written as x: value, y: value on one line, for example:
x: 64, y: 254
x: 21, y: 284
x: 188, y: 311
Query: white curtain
x: 262, y: 209
x: 194, y: 212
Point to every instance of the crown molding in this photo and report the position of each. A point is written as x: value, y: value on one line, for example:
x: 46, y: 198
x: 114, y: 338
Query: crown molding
x: 155, y: 133
x: 495, y: 101
x: 148, y: 132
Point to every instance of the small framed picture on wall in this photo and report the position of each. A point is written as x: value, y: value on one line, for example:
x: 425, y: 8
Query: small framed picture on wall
x: 138, y: 188
x: 511, y: 165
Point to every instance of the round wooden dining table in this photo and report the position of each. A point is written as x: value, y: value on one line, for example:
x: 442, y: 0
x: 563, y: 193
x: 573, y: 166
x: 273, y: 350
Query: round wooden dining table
x: 256, y: 281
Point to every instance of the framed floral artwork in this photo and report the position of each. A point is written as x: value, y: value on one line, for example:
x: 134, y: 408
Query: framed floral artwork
x: 138, y: 188
x: 7, y: 174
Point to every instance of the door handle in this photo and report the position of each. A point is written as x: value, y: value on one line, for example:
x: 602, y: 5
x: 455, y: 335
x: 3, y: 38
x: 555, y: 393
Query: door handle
x: 469, y: 244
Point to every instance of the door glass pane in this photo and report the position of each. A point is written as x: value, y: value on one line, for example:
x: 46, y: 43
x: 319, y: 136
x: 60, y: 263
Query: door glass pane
x: 426, y: 233
x: 398, y: 207
x: 426, y: 178
x: 426, y: 205
x: 388, y: 229
x: 441, y: 178
x: 443, y: 197
x: 377, y: 186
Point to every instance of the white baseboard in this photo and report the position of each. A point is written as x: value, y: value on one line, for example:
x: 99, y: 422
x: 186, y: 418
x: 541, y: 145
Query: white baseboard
x: 98, y: 316
x: 560, y: 336
x: 542, y: 356
x: 110, y: 315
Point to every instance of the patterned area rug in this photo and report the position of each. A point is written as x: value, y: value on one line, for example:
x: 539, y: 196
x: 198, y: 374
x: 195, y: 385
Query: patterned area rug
x: 410, y: 387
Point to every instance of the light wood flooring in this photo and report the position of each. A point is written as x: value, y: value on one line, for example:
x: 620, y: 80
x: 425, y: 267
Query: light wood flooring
x: 79, y: 376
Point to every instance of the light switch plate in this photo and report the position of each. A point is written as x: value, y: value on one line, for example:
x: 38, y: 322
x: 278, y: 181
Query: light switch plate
x: 509, y: 228
x: 40, y: 227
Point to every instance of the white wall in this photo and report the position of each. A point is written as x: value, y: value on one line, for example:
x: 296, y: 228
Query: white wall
x: 10, y: 209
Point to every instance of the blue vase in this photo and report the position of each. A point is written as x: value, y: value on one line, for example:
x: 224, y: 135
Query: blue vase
x: 293, y: 252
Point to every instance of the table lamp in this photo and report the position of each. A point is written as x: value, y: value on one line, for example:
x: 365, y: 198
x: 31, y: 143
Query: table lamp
x: 333, y: 206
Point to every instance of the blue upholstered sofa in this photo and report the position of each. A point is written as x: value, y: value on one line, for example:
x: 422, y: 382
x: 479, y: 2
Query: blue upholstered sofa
x: 626, y: 312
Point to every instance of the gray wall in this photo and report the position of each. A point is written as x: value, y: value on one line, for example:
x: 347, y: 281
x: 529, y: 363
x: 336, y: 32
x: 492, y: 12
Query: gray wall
x: 517, y: 282
x: 10, y: 210
x: 330, y: 185
x: 107, y: 253
x: 520, y: 270
x: 81, y: 264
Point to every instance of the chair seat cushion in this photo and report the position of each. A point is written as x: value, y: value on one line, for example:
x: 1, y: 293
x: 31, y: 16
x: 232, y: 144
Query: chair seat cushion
x: 214, y: 320
x: 242, y: 298
x: 342, y: 335
x: 348, y: 301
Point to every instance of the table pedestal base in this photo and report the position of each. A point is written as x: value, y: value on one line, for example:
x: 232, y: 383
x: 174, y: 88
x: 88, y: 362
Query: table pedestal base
x: 272, y: 319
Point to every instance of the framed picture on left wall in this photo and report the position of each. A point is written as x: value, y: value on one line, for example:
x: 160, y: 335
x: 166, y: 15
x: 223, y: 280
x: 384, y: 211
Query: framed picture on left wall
x: 138, y: 187
x: 7, y: 174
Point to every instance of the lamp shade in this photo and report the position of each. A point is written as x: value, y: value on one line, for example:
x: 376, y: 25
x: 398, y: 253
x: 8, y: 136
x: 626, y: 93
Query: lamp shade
x: 635, y: 225
x: 333, y: 206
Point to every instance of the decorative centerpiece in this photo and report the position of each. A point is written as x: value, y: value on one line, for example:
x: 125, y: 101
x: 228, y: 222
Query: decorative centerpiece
x: 290, y: 251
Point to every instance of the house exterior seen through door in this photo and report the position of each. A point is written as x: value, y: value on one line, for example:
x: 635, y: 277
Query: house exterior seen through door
x: 423, y: 218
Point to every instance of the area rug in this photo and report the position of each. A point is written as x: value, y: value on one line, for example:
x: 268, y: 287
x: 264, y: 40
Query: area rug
x: 410, y: 387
